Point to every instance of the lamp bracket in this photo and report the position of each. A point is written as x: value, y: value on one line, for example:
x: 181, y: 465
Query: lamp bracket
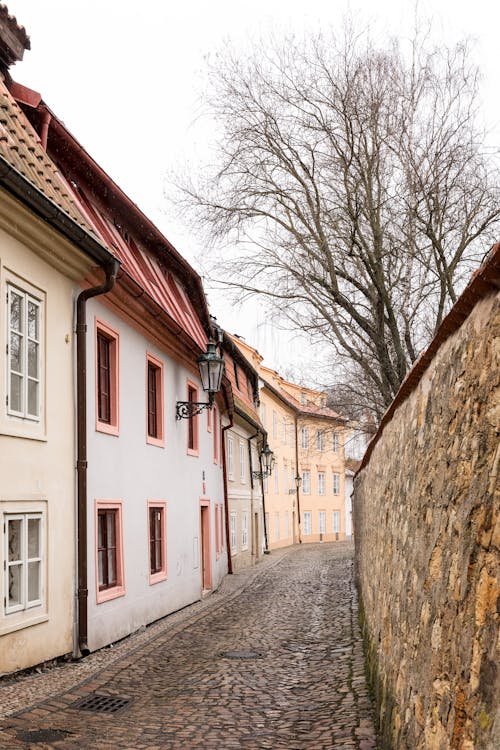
x: 188, y: 409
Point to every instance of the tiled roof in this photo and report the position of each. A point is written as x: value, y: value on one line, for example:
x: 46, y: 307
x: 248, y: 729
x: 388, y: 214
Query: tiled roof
x: 483, y: 283
x: 20, y: 147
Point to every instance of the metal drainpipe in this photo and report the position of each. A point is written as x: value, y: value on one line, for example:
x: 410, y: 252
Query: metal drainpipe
x: 44, y: 128
x: 81, y: 459
x: 266, y: 543
x: 297, y: 474
x: 252, y: 485
x: 226, y: 499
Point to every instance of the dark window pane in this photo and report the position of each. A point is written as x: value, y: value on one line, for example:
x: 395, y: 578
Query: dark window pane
x: 104, y: 380
x: 152, y: 400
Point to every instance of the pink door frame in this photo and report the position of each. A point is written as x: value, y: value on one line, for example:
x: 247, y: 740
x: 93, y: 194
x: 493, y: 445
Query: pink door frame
x: 206, y: 556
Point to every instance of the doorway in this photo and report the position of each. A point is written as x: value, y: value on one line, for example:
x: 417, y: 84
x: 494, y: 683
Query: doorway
x: 206, y: 569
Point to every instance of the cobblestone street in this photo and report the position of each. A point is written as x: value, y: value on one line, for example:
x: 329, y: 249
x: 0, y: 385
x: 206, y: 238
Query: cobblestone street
x: 272, y: 660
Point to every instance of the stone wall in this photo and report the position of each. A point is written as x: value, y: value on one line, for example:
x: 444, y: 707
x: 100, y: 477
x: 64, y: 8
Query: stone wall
x: 427, y: 549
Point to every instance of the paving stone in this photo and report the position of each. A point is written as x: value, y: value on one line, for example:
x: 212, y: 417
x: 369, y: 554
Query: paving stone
x: 305, y: 690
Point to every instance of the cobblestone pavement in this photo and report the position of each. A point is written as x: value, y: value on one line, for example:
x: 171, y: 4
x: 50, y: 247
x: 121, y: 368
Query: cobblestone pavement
x: 272, y: 660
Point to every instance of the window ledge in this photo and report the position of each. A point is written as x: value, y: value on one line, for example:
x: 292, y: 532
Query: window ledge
x: 108, y: 594
x: 20, y: 622
x: 158, y: 442
x: 109, y: 429
x: 157, y: 577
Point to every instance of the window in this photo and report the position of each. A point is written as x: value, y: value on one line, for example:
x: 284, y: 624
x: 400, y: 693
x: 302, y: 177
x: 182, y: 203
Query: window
x: 287, y: 525
x: 277, y: 526
x: 215, y: 435
x: 107, y: 364
x: 285, y: 480
x: 336, y: 484
x: 242, y: 463
x: 24, y: 354
x: 275, y: 425
x: 336, y: 521
x: 276, y: 480
x: 322, y: 522
x: 292, y: 435
x: 109, y: 567
x: 321, y: 482
x: 335, y: 442
x: 306, y: 482
x: 263, y: 414
x: 232, y: 529
x: 266, y: 484
x: 284, y: 430
x: 155, y: 401
x: 217, y: 533
x: 307, y: 523
x: 221, y: 527
x: 24, y: 561
x: 320, y: 440
x: 244, y: 530
x: 209, y: 420
x: 230, y: 457
x: 305, y: 437
x: 157, y: 541
x: 192, y: 446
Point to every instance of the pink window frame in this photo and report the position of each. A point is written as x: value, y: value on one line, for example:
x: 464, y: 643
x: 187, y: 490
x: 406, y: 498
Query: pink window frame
x: 160, y: 406
x: 209, y: 419
x: 221, y: 521
x: 114, y: 379
x: 196, y: 422
x: 216, y: 439
x: 217, y: 532
x: 161, y: 575
x: 120, y: 588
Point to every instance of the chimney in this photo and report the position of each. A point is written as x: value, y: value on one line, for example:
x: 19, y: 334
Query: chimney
x: 13, y: 40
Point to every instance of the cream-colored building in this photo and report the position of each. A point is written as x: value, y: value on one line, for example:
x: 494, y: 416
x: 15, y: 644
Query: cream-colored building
x: 304, y: 496
x: 42, y: 234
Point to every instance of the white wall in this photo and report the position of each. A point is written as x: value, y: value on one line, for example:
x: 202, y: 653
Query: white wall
x: 128, y: 469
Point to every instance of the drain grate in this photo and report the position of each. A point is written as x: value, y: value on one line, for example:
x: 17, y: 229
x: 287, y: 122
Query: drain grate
x: 103, y: 704
x: 33, y: 736
x: 248, y: 654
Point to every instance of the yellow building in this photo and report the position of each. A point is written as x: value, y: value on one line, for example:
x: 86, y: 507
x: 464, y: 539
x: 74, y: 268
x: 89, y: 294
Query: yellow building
x: 304, y: 496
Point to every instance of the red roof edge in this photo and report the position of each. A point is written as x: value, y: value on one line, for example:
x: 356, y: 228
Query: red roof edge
x: 484, y: 281
x: 128, y: 207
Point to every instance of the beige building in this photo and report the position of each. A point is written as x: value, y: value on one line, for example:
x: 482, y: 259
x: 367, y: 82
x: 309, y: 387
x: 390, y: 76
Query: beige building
x: 46, y: 246
x: 304, y: 496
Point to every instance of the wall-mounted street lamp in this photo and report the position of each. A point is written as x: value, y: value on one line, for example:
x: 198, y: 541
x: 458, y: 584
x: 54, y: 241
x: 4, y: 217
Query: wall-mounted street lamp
x: 298, y: 482
x: 211, y: 368
x: 266, y: 462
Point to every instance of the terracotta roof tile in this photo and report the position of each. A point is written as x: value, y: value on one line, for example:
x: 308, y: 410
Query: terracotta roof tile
x: 20, y: 147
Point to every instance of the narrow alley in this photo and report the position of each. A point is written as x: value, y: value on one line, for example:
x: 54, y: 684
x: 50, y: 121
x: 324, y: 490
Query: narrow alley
x: 272, y: 660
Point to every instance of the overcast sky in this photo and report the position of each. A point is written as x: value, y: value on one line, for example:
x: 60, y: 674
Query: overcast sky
x: 125, y: 78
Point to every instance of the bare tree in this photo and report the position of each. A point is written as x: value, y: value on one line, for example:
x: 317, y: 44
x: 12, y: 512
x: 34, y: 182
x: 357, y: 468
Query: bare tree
x: 350, y: 187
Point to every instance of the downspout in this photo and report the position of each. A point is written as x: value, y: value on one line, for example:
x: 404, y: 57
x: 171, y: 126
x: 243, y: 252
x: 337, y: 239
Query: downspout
x: 226, y: 499
x: 297, y: 484
x: 44, y: 128
x: 111, y: 269
x: 266, y: 545
x: 266, y: 548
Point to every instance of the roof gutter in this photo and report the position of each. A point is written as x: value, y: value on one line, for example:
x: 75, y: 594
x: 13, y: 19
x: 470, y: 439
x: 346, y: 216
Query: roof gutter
x: 34, y: 199
x: 111, y: 270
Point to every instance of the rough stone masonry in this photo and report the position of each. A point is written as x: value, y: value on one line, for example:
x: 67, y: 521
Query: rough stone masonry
x: 427, y: 548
